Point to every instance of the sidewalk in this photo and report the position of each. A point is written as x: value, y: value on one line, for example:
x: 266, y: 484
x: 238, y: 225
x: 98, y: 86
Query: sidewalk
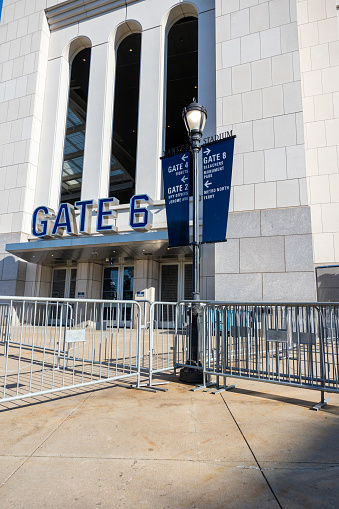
x: 258, y: 446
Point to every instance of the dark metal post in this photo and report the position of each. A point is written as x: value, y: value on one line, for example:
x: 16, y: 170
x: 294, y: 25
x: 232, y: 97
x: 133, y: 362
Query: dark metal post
x: 195, y: 146
x: 194, y: 117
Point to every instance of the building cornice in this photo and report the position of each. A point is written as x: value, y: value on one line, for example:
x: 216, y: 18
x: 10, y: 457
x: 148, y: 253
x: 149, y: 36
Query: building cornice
x: 73, y: 11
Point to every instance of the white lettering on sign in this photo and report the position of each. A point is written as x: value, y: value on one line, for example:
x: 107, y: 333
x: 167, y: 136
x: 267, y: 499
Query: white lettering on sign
x: 175, y: 189
x: 212, y: 159
x: 175, y: 167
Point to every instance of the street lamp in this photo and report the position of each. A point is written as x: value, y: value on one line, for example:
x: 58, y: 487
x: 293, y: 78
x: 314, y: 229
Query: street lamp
x: 195, y: 117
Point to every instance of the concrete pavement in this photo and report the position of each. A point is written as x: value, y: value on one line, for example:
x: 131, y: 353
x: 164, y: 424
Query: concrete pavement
x: 258, y: 446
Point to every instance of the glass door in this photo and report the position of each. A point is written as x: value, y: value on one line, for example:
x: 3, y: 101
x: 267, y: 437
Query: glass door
x: 110, y: 292
x: 169, y: 293
x: 176, y: 285
x: 118, y: 285
x: 63, y: 286
x: 127, y: 293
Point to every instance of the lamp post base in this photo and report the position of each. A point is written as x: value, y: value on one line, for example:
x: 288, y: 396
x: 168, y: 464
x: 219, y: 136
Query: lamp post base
x: 191, y: 375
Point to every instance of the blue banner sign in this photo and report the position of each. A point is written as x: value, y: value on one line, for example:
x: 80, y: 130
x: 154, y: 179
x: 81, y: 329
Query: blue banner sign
x: 176, y: 174
x: 217, y: 174
x: 0, y: 8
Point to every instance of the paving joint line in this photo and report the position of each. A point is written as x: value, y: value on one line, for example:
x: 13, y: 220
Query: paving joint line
x: 252, y: 452
x: 301, y: 465
x: 44, y: 441
x: 115, y: 458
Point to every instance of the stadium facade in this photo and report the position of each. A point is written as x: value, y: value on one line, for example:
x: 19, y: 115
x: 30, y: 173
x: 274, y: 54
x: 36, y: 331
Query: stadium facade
x: 91, y: 94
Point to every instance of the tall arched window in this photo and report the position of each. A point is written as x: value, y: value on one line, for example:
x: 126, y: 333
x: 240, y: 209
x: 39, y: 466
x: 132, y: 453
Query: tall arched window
x: 125, y: 119
x: 182, y: 77
x: 75, y: 128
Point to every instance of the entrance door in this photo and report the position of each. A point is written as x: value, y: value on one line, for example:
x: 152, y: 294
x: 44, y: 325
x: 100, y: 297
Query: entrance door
x: 176, y: 285
x: 63, y: 286
x: 176, y: 281
x: 118, y: 285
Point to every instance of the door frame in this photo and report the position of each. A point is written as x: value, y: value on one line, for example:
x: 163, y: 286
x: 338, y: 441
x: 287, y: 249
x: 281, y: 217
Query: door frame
x: 56, y: 320
x: 120, y: 290
x: 181, y: 285
x: 181, y: 277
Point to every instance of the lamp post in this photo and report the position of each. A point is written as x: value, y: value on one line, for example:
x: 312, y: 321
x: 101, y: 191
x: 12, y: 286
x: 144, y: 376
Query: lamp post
x: 195, y: 117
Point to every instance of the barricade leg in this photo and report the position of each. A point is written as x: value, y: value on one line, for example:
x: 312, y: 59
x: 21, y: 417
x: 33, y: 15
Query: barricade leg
x: 208, y: 384
x: 224, y: 387
x: 322, y: 327
x: 323, y: 402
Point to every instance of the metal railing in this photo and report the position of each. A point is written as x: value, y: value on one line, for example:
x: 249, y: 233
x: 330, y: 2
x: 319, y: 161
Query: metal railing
x: 170, y: 343
x: 53, y: 345
x: 291, y: 344
x: 294, y: 344
x: 144, y: 332
x: 158, y: 354
x: 26, y: 312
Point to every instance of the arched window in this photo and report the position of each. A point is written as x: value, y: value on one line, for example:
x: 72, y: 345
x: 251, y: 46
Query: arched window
x: 75, y: 128
x: 125, y: 119
x: 182, y: 77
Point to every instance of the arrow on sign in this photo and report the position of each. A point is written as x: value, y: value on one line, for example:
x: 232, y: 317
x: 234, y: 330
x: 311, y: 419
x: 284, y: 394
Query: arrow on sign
x: 207, y: 151
x: 208, y: 184
x: 183, y: 179
x: 184, y: 157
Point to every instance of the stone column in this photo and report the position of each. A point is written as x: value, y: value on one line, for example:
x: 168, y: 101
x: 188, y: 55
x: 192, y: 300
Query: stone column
x: 53, y: 134
x: 99, y: 122
x: 206, y: 68
x: 148, y: 176
x: 89, y: 280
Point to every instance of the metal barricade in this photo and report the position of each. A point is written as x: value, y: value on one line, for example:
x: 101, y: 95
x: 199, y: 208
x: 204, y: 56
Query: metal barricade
x: 159, y: 357
x: 167, y: 329
x: 293, y: 344
x: 53, y: 345
x: 144, y: 333
x: 22, y: 311
x: 4, y: 306
x: 189, y: 342
x: 170, y: 343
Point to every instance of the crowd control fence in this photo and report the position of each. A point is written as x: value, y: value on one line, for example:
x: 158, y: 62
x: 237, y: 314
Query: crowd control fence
x: 168, y: 338
x: 290, y: 344
x: 295, y: 344
x: 52, y: 345
x: 171, y: 340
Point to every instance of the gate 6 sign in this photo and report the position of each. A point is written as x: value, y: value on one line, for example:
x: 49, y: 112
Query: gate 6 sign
x: 217, y: 174
x: 78, y: 219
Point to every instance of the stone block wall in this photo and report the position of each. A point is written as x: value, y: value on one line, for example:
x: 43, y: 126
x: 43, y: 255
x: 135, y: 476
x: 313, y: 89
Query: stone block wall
x: 319, y: 59
x: 24, y: 37
x: 268, y: 257
x: 259, y: 97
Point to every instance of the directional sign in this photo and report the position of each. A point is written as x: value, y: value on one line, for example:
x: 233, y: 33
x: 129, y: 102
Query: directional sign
x: 176, y: 173
x: 217, y: 173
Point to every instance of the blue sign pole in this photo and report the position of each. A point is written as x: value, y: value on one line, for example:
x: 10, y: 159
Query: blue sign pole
x: 217, y: 174
x: 176, y: 175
